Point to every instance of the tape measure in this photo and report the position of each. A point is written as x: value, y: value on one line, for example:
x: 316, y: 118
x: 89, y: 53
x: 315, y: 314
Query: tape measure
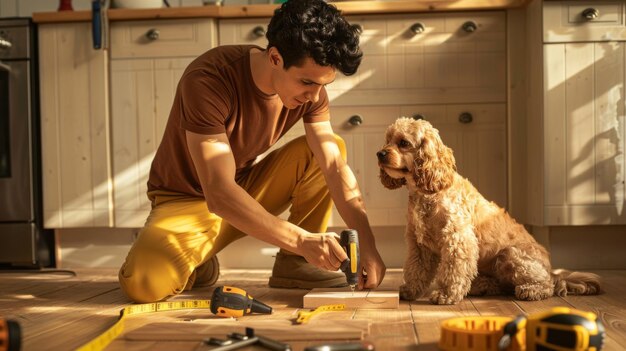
x: 304, y: 316
x: 104, y: 339
x: 476, y: 334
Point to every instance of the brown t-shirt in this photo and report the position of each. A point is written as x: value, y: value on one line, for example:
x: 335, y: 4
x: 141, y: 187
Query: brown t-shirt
x: 217, y: 94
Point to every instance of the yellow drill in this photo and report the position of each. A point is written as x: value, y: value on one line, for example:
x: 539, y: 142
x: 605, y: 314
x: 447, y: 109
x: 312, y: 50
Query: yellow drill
x: 349, y: 240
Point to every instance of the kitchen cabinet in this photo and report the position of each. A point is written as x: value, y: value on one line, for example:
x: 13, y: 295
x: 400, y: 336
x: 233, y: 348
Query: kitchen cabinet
x: 447, y: 68
x: 577, y: 171
x: 147, y: 60
x: 76, y: 160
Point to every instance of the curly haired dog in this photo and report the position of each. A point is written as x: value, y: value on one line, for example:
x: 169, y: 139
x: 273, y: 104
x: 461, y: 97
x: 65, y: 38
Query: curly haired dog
x: 467, y: 244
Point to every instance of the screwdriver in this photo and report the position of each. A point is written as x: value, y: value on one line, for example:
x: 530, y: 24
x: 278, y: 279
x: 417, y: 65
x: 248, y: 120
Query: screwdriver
x: 228, y: 301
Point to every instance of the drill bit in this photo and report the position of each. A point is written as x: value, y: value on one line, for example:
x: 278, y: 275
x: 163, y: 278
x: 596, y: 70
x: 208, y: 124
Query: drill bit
x: 352, y: 287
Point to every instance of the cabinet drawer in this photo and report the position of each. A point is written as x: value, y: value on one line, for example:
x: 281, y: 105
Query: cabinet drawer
x: 243, y: 31
x: 162, y: 38
x: 570, y: 21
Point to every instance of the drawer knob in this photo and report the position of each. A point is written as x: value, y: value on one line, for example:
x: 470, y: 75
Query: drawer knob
x: 355, y: 120
x: 153, y: 34
x: 417, y: 28
x: 418, y: 116
x: 258, y: 31
x: 5, y: 44
x: 469, y: 26
x: 358, y: 27
x: 466, y: 118
x: 591, y: 14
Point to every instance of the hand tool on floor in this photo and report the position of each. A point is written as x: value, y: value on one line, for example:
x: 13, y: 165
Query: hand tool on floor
x: 10, y: 335
x: 236, y: 341
x: 561, y: 328
x: 228, y: 301
x: 304, y: 316
x: 349, y: 240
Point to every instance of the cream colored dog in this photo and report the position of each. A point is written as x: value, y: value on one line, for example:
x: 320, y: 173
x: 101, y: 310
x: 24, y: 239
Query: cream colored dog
x: 457, y: 238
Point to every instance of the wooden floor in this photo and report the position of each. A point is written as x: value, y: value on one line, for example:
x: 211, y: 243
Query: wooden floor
x: 60, y: 311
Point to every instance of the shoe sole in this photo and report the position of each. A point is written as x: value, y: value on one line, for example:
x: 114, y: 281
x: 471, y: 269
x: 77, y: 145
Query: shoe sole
x: 213, y: 277
x: 287, y: 283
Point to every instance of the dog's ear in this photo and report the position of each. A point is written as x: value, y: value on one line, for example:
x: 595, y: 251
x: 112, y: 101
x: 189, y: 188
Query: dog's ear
x: 391, y: 183
x: 434, y: 165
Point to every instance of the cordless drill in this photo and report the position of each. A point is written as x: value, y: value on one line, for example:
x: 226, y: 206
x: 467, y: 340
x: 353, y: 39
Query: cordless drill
x: 349, y: 240
x: 228, y: 301
x: 10, y: 335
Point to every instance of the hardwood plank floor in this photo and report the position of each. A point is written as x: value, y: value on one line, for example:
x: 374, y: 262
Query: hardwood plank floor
x: 62, y: 311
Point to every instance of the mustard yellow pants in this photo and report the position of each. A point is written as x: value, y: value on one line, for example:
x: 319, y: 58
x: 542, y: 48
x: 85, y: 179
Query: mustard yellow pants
x: 180, y: 233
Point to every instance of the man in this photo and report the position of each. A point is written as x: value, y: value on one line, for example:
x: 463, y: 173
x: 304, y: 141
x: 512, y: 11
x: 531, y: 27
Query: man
x: 231, y: 105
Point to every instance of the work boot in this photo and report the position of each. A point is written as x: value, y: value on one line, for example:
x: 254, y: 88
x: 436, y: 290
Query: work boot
x: 207, y: 273
x: 292, y: 271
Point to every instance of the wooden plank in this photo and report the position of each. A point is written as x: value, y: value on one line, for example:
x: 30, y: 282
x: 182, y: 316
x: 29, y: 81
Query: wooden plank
x: 356, y: 299
x: 283, y: 330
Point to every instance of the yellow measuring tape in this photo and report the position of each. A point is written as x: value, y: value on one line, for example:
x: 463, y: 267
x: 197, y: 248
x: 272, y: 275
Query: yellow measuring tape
x: 304, y: 316
x: 110, y: 334
x: 476, y: 334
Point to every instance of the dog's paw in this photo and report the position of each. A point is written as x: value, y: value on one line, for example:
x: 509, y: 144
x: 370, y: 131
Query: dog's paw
x: 408, y: 293
x: 533, y: 292
x: 439, y: 297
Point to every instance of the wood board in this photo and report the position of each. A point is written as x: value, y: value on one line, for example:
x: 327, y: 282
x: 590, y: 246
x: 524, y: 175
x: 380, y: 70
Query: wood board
x: 283, y: 330
x: 357, y: 299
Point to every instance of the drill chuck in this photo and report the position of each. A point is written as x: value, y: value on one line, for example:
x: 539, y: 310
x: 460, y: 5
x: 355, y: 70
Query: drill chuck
x: 349, y: 240
x: 10, y: 335
x: 228, y: 301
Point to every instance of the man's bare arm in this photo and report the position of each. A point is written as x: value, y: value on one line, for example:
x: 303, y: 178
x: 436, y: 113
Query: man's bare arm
x: 345, y: 192
x: 215, y: 166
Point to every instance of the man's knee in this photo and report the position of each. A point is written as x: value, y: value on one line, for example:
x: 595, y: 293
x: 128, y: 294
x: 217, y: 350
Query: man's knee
x: 302, y: 143
x: 151, y: 272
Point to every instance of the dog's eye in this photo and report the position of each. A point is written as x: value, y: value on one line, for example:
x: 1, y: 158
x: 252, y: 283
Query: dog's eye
x: 404, y: 143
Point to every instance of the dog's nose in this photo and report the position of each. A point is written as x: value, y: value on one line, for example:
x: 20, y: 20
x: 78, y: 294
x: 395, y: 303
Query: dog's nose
x: 382, y: 155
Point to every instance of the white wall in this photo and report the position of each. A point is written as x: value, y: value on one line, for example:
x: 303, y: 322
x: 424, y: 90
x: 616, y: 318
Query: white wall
x: 25, y: 8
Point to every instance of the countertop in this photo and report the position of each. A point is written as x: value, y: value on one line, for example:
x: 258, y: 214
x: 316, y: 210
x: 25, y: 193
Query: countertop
x: 252, y: 11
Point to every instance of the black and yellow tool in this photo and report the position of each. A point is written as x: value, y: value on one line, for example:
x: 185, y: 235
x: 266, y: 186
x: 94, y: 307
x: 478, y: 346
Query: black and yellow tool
x: 224, y: 298
x: 10, y: 335
x: 349, y: 240
x: 559, y: 329
x: 228, y: 301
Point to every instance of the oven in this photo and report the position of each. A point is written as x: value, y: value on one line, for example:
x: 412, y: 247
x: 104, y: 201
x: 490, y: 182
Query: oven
x: 23, y: 241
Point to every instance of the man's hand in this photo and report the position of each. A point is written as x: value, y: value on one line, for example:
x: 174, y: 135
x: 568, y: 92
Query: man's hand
x: 372, y: 270
x: 322, y: 250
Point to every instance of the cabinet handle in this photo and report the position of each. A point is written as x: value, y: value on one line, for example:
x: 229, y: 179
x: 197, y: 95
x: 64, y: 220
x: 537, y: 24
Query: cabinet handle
x: 258, y: 31
x: 5, y: 44
x: 153, y: 34
x: 590, y: 14
x: 355, y: 120
x: 418, y: 116
x: 466, y: 118
x: 417, y: 28
x: 470, y: 26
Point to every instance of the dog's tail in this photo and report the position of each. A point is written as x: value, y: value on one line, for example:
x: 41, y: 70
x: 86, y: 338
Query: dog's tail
x: 575, y: 283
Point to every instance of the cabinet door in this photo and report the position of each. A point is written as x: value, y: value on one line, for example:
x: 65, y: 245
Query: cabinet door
x: 584, y: 133
x: 75, y: 128
x: 147, y: 60
x: 142, y: 92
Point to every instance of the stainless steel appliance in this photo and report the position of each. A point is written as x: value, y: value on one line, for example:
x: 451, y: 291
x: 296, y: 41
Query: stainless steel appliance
x: 23, y: 241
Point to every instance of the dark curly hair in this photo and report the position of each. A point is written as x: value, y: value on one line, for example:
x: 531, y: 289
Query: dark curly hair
x: 313, y: 28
